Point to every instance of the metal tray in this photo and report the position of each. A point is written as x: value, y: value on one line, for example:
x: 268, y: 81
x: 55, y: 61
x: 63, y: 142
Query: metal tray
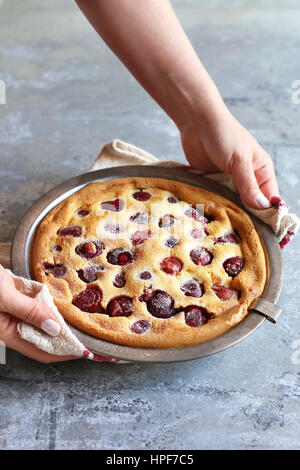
x: 263, y: 309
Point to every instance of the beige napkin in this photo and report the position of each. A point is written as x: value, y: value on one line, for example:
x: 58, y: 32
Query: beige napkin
x: 118, y: 153
x: 66, y: 342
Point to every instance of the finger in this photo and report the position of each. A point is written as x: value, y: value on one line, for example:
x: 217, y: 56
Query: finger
x: 33, y: 312
x: 243, y: 173
x: 265, y: 175
x: 12, y: 339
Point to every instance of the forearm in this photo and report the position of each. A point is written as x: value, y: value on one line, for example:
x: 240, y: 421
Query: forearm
x: 149, y: 40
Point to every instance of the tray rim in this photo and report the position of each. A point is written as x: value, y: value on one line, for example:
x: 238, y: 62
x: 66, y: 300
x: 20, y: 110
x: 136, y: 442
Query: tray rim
x: 20, y: 254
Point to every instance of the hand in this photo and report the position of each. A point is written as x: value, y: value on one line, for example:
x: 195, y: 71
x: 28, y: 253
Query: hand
x: 220, y: 143
x: 14, y: 307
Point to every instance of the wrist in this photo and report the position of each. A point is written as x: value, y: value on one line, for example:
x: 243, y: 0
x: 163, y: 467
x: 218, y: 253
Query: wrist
x: 202, y: 112
x: 195, y: 105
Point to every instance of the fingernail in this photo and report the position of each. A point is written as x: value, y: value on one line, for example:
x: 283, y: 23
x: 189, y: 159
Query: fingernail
x: 262, y: 201
x: 51, y: 327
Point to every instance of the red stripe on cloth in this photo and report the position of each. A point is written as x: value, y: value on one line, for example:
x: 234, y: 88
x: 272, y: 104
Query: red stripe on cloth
x: 97, y: 357
x: 278, y: 202
x: 286, y: 239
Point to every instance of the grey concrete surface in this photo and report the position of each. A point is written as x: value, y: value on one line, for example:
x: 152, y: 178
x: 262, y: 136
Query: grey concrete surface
x: 67, y: 95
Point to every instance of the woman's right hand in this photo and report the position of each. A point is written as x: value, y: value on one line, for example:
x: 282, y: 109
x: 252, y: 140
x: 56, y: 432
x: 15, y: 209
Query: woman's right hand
x: 14, y: 306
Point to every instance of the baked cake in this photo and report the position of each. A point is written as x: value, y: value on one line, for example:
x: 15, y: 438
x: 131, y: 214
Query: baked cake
x: 149, y: 262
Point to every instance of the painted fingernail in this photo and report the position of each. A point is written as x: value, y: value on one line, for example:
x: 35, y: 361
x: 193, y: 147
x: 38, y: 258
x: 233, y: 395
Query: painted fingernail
x: 262, y: 201
x: 51, y: 327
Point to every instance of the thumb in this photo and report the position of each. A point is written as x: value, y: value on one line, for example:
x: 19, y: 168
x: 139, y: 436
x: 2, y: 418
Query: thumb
x: 33, y: 312
x: 244, y: 176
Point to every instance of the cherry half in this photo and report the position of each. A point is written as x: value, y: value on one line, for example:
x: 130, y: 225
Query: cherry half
x: 166, y: 221
x: 159, y: 304
x: 196, y: 316
x: 89, y: 273
x: 121, y: 256
x: 82, y: 213
x: 198, y: 233
x: 119, y: 280
x: 114, y: 206
x: 141, y: 196
x: 224, y: 293
x: 228, y: 238
x: 193, y: 214
x: 72, y: 231
x: 57, y: 270
x: 138, y: 237
x: 233, y: 265
x: 89, y: 300
x: 145, y: 275
x: 120, y: 306
x: 90, y: 250
x: 171, y: 242
x: 201, y: 256
x: 192, y: 288
x: 171, y: 265
x: 140, y: 326
x: 140, y: 218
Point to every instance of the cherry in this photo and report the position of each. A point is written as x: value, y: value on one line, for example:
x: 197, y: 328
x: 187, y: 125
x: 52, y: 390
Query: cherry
x: 145, y: 275
x: 228, y: 238
x: 90, y: 273
x: 159, y: 304
x: 57, y: 248
x: 73, y: 231
x: 193, y: 214
x: 233, y: 265
x: 141, y: 196
x: 198, y: 233
x: 192, y: 288
x: 57, y: 270
x: 171, y: 242
x: 115, y: 206
x: 119, y: 306
x: 166, y: 221
x: 89, y: 300
x: 139, y: 327
x: 140, y: 218
x: 82, y: 213
x: 172, y: 200
x: 171, y: 265
x: 224, y: 293
x: 121, y: 256
x: 201, y: 256
x: 119, y: 280
x: 140, y: 236
x: 113, y: 228
x: 90, y: 250
x: 196, y: 316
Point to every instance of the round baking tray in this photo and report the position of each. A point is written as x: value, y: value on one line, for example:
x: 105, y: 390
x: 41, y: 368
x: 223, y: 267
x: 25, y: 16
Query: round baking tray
x: 20, y: 262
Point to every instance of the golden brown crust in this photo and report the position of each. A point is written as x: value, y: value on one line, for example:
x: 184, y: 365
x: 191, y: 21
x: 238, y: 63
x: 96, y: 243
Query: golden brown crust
x: 164, y: 333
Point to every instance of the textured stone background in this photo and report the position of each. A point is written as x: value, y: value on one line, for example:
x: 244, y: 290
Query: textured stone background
x: 67, y: 95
